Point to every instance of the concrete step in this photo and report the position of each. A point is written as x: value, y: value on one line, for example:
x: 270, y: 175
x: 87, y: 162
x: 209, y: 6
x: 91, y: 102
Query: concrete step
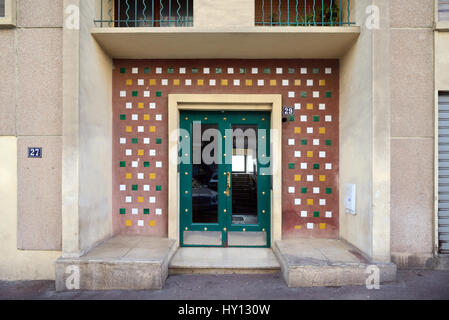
x: 120, y: 263
x: 327, y: 262
x: 223, y: 261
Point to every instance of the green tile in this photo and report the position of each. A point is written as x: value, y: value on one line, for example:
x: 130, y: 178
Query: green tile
x: 316, y: 166
x: 158, y: 94
x: 316, y: 118
x: 195, y: 70
x: 328, y: 94
x: 316, y: 214
x: 303, y: 94
x: 122, y: 70
x: 328, y: 142
x: 122, y: 211
x: 159, y: 141
x: 291, y: 70
x: 218, y: 70
x: 170, y: 70
x: 123, y: 117
x: 135, y: 187
x: 267, y: 70
x: 242, y: 70
x: 291, y: 166
x: 328, y: 190
x: 303, y: 190
x: 291, y: 118
x: 316, y: 71
x: 122, y: 164
x: 158, y: 188
x: 146, y: 211
x: 135, y: 94
x: 146, y: 70
x: 303, y: 142
x: 146, y: 164
x: 135, y: 141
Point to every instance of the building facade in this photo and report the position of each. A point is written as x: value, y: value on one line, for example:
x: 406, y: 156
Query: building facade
x: 108, y: 108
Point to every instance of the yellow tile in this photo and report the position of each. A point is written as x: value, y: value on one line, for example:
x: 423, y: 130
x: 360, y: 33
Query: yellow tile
x: 297, y: 130
x: 152, y: 223
x: 129, y: 223
x: 297, y: 177
x: 140, y: 105
x: 129, y: 176
x: 273, y: 83
x: 200, y: 83
x: 309, y: 154
x: 322, y: 83
x: 152, y: 82
x: 322, y: 178
x: 322, y: 226
x: 297, y: 83
x: 224, y: 82
x: 152, y: 176
x: 176, y: 82
x: 310, y: 202
x: 152, y: 129
x: 249, y: 83
x: 298, y: 227
x: 140, y: 199
x: 322, y: 130
x: 129, y: 129
x: 140, y: 152
x: 129, y: 82
x: 146, y: 117
x: 310, y: 106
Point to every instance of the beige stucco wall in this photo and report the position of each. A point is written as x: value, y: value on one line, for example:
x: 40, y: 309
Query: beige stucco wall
x: 17, y: 264
x: 412, y: 132
x: 31, y: 116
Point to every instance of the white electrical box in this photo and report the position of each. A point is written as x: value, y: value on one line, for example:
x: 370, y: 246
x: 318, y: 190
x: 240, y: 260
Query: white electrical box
x: 350, y: 195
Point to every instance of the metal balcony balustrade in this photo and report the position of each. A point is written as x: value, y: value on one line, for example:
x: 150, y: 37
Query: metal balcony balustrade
x: 145, y: 13
x: 323, y: 13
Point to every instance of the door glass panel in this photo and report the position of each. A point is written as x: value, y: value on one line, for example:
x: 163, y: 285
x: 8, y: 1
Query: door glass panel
x: 244, y: 174
x: 205, y: 173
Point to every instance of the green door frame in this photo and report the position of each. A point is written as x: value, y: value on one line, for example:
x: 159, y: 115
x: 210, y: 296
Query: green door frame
x: 225, y: 120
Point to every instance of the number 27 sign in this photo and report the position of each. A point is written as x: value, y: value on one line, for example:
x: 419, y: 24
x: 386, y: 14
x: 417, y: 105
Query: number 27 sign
x: 34, y: 152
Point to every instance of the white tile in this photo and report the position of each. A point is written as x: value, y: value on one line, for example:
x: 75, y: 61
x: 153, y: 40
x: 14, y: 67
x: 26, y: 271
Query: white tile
x: 328, y: 166
x: 188, y: 82
x: 146, y: 94
x: 304, y: 214
x: 297, y: 106
x: 212, y: 82
x: 158, y: 212
x: 310, y: 83
x: 123, y: 187
x: 316, y: 190
x: 206, y: 70
x: 140, y: 129
x: 328, y: 70
x: 260, y: 83
x: 236, y: 82
x: 146, y: 140
x: 254, y: 70
x: 152, y: 105
x: 182, y: 70
x: 322, y: 106
x: 135, y: 117
x: 152, y: 152
x: 297, y: 202
x: 303, y: 166
x: 128, y: 152
x: 164, y: 82
x: 146, y: 187
x: 291, y: 189
x: 158, y: 70
x: 129, y: 105
x: 140, y: 176
x: 158, y: 164
x: 309, y: 130
x: 230, y: 70
x: 135, y: 70
x: 316, y: 94
x: 140, y: 223
x: 140, y: 82
x: 316, y: 142
x: 152, y: 199
x: 328, y: 118
x: 128, y: 199
x: 291, y: 142
x: 303, y: 70
x: 285, y: 83
x: 297, y: 154
x: 310, y: 226
x: 328, y: 214
x: 278, y: 70
x: 122, y: 140
x: 291, y: 94
x: 309, y: 178
x: 322, y: 202
x: 134, y: 164
x: 158, y: 117
x: 135, y: 211
x: 122, y: 94
x: 322, y: 154
x: 303, y: 118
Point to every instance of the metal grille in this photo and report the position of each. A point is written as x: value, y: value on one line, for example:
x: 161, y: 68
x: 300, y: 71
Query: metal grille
x: 443, y: 10
x: 145, y: 13
x: 443, y: 172
x: 322, y: 13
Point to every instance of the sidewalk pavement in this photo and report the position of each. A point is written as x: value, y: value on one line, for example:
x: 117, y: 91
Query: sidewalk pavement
x: 411, y: 284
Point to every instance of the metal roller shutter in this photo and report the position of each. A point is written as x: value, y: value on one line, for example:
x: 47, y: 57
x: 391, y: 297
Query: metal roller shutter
x: 443, y: 172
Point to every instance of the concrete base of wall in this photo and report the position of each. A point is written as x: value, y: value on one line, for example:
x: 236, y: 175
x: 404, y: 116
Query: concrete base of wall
x: 326, y: 262
x: 121, y: 263
x: 413, y: 260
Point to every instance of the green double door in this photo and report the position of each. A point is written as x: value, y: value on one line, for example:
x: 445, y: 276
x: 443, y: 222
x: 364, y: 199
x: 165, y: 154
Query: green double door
x: 225, y: 179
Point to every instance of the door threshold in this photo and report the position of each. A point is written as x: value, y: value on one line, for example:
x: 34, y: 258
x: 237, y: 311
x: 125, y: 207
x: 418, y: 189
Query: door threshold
x: 192, y: 260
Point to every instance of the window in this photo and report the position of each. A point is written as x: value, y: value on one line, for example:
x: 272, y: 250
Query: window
x: 443, y: 10
x: 7, y: 13
x: 2, y: 8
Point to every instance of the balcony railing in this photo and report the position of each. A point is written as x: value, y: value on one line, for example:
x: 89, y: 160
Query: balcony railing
x: 303, y: 13
x: 145, y: 13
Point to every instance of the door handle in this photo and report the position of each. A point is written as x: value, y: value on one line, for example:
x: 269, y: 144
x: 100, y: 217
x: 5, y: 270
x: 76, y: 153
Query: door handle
x: 228, y: 180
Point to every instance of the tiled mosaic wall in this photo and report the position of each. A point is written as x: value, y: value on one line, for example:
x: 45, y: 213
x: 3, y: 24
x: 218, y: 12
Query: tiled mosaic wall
x: 310, y: 137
